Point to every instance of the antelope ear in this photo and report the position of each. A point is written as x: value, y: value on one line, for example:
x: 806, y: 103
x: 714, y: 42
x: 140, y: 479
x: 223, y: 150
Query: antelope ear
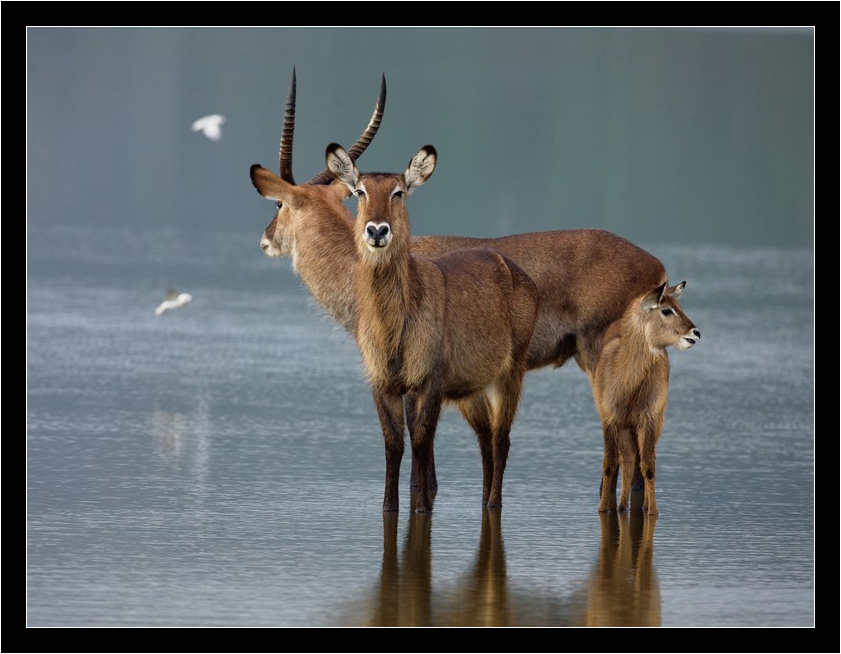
x: 676, y: 291
x: 339, y: 191
x: 272, y: 187
x: 341, y: 165
x: 653, y: 299
x: 420, y: 168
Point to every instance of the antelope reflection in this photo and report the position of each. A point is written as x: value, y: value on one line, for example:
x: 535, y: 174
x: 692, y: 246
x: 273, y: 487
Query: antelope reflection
x: 406, y: 596
x: 622, y: 589
x: 481, y: 596
x: 405, y: 591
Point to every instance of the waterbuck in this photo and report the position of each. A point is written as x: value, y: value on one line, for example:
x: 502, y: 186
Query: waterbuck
x: 585, y: 277
x: 451, y: 328
x: 630, y: 385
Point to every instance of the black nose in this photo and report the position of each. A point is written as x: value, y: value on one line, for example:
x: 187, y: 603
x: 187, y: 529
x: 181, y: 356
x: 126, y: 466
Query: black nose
x: 697, y: 333
x: 377, y: 234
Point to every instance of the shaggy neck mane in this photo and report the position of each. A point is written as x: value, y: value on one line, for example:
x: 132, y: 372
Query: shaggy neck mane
x: 637, y: 356
x: 383, y: 292
x: 323, y: 255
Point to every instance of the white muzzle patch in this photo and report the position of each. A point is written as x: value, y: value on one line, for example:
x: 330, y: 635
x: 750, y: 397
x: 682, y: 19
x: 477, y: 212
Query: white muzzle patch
x: 267, y: 247
x: 688, y: 340
x: 377, y: 236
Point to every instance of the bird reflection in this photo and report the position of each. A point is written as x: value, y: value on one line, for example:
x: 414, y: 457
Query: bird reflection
x: 183, y: 439
x: 168, y: 427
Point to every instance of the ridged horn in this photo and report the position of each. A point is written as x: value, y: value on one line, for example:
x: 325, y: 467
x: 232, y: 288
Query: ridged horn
x: 285, y: 154
x: 325, y: 176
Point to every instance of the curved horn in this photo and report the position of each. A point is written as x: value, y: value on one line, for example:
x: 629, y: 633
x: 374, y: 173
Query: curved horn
x: 373, y: 125
x: 285, y: 154
x: 325, y: 176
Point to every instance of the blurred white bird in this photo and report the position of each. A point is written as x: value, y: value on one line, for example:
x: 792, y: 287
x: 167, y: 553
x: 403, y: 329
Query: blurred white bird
x: 210, y: 126
x: 174, y: 300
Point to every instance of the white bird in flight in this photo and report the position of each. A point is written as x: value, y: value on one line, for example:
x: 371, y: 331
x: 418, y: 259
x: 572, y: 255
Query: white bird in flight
x: 174, y: 300
x: 210, y: 126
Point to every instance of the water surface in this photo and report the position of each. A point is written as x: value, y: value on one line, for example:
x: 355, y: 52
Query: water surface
x: 223, y: 464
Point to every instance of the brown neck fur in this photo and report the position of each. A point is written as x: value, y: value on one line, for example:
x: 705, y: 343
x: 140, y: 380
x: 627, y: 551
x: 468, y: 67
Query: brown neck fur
x: 383, y: 293
x: 636, y: 355
x: 324, y: 255
x: 383, y: 284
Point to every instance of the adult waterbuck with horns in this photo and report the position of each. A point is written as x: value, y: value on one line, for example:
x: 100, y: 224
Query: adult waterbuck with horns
x: 451, y: 328
x: 312, y: 226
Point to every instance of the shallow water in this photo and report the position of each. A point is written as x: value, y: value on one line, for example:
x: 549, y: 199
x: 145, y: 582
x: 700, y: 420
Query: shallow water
x: 223, y: 465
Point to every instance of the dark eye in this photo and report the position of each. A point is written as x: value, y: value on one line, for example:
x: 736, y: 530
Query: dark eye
x: 360, y: 193
x: 397, y: 194
x: 667, y: 312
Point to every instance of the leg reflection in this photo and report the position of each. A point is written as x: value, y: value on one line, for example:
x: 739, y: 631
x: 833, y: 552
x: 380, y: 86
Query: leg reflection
x: 622, y: 589
x: 404, y: 596
x: 481, y: 597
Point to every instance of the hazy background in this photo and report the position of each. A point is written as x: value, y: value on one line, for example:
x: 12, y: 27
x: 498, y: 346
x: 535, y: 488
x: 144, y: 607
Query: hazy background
x: 661, y: 135
x: 222, y: 465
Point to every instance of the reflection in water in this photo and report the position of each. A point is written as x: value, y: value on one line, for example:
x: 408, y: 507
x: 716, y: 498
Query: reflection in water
x: 184, y: 440
x: 168, y: 428
x: 481, y: 597
x: 621, y: 590
x: 163, y: 490
x: 404, y: 597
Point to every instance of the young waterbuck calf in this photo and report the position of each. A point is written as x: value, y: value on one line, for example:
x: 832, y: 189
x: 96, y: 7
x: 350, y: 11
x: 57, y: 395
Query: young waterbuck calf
x: 630, y: 385
x: 451, y: 328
